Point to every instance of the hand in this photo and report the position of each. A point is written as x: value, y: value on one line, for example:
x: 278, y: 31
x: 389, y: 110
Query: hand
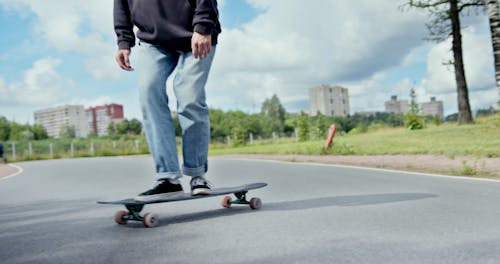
x: 201, y: 45
x: 123, y: 59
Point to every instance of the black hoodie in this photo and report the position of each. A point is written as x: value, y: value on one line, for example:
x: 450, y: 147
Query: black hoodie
x: 167, y: 23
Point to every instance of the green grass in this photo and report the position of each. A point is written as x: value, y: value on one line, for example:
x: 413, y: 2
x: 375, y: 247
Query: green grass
x: 481, y: 139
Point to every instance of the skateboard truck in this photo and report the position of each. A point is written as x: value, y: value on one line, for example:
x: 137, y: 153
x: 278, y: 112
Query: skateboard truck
x: 241, y: 198
x: 133, y: 214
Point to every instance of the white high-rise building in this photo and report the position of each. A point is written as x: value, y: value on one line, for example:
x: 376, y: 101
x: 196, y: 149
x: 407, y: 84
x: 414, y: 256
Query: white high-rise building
x: 329, y: 100
x: 433, y: 108
x: 397, y: 106
x: 54, y: 120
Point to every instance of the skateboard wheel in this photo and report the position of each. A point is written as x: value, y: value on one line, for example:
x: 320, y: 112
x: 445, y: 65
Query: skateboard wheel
x: 119, y: 217
x: 255, y: 203
x: 150, y: 220
x: 226, y: 202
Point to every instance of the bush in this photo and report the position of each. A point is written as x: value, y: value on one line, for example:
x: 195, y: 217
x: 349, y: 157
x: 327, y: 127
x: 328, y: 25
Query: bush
x: 413, y: 121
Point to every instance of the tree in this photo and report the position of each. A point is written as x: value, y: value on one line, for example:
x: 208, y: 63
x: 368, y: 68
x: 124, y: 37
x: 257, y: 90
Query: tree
x: 125, y: 127
x: 445, y: 22
x: 67, y: 132
x: 122, y: 127
x: 39, y: 132
x: 135, y: 127
x: 273, y: 109
x: 239, y: 135
x: 111, y: 128
x: 321, y: 125
x: 494, y: 17
x: 4, y: 129
x: 303, y: 126
x: 412, y: 119
x: 216, y: 128
x: 16, y: 131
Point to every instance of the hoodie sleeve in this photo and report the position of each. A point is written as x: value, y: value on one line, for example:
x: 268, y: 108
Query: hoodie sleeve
x: 206, y: 17
x: 124, y: 28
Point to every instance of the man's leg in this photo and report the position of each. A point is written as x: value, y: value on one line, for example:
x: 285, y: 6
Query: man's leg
x: 189, y: 87
x: 154, y: 65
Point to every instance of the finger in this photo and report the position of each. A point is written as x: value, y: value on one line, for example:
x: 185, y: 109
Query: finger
x: 120, y: 59
x: 202, y: 50
x: 207, y: 50
x: 123, y: 65
x: 126, y: 58
x: 197, y: 51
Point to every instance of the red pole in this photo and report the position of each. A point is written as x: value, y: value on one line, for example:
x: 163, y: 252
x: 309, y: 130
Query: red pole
x: 329, y: 140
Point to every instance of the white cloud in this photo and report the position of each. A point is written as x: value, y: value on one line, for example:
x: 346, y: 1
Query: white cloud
x: 291, y: 47
x: 101, y: 100
x: 41, y: 84
x: 70, y: 26
x: 288, y: 48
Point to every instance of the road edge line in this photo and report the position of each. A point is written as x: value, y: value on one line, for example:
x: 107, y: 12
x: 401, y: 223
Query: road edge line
x: 454, y: 177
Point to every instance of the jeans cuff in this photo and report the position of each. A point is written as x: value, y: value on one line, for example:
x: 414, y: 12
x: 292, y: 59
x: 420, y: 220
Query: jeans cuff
x: 194, y: 172
x: 174, y: 176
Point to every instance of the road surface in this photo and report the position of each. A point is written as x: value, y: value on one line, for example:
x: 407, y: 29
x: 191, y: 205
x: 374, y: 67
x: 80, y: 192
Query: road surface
x: 310, y: 214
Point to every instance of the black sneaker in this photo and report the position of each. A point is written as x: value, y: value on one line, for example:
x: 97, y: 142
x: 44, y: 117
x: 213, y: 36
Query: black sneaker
x: 200, y: 185
x: 163, y: 189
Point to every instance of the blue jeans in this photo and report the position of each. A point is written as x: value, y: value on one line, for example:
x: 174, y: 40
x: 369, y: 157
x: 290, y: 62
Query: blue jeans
x: 154, y: 65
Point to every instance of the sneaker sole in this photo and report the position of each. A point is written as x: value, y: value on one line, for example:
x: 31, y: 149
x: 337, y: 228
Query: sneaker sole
x: 155, y: 197
x: 200, y: 191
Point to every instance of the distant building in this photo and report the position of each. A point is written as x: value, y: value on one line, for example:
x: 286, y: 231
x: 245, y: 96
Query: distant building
x: 329, y: 100
x: 99, y: 117
x: 433, y: 108
x: 396, y: 106
x: 57, y: 118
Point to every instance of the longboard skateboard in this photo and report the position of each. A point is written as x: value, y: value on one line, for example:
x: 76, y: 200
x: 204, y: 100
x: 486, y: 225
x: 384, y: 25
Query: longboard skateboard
x: 151, y: 219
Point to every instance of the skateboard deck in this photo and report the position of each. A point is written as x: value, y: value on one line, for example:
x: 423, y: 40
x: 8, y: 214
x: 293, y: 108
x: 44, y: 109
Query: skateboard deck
x: 150, y: 219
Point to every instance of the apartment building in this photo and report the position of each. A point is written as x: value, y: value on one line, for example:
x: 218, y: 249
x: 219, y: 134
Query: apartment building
x: 397, y: 106
x: 329, y: 100
x: 99, y: 117
x: 55, y: 119
x: 433, y: 108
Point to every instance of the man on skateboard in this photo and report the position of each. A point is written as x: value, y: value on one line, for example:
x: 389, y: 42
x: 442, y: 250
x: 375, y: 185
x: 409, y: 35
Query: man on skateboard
x: 173, y: 35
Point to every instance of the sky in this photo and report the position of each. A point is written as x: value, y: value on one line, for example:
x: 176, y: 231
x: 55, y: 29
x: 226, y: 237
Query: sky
x: 56, y: 52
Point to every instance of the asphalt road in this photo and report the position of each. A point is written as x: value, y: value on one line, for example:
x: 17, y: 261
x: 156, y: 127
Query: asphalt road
x: 310, y: 214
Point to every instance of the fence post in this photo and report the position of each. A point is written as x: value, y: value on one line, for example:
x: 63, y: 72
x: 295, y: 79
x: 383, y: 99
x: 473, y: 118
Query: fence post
x: 72, y: 148
x: 30, y: 149
x: 251, y: 138
x: 91, y: 148
x: 13, y: 150
x: 51, y: 150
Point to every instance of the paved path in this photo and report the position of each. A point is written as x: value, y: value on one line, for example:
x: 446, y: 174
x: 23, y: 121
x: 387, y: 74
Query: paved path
x: 311, y: 214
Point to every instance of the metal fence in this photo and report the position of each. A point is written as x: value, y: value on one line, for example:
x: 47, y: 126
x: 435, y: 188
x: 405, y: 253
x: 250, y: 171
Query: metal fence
x: 69, y: 148
x: 51, y: 149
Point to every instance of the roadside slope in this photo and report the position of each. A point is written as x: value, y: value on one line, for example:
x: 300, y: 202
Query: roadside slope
x: 463, y: 166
